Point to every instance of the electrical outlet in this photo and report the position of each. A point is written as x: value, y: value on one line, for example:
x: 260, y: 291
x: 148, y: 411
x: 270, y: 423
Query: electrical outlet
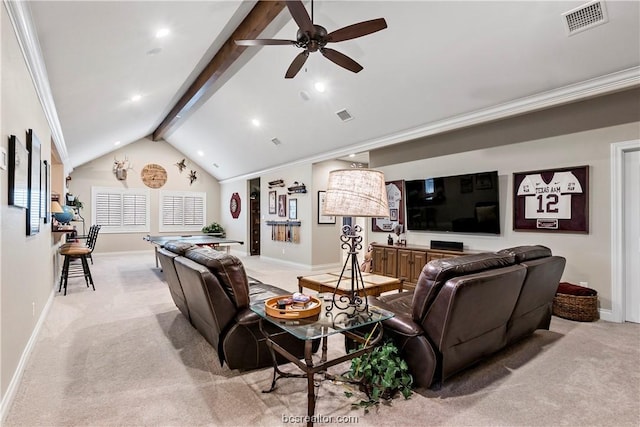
x: 585, y: 284
x: 33, y: 309
x: 282, y: 251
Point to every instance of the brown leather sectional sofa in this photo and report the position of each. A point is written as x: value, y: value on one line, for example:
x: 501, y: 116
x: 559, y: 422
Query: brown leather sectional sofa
x: 212, y: 290
x: 469, y: 307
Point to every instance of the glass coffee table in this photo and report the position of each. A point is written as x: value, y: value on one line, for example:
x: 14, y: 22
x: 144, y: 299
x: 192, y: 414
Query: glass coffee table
x: 326, y: 323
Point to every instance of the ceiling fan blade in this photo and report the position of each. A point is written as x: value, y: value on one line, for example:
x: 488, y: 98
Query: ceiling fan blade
x: 264, y: 42
x: 297, y: 64
x: 301, y: 16
x: 357, y: 30
x: 341, y: 59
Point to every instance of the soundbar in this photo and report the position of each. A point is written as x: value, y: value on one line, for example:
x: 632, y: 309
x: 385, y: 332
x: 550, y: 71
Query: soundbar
x: 447, y: 246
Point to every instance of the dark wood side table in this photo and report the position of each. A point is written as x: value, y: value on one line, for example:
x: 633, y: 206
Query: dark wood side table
x: 325, y: 324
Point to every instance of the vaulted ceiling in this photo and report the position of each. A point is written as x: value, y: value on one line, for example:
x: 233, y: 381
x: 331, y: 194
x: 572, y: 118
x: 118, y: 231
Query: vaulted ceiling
x: 438, y: 66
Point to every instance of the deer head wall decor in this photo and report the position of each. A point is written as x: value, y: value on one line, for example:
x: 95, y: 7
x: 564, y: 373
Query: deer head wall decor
x: 120, y: 168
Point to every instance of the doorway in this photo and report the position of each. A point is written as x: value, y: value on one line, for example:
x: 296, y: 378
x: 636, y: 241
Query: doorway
x: 625, y: 231
x: 254, y: 216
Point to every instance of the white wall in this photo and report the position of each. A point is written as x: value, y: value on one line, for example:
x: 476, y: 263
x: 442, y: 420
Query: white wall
x: 236, y: 228
x: 99, y: 173
x: 588, y: 255
x: 295, y: 253
x: 319, y: 246
x: 26, y: 264
x: 326, y: 237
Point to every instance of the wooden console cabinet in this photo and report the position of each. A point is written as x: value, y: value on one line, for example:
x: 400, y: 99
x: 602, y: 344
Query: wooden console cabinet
x: 405, y: 262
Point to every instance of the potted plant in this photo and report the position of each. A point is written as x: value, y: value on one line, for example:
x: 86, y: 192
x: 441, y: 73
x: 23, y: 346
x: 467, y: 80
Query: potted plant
x: 77, y: 203
x: 213, y: 228
x: 380, y: 374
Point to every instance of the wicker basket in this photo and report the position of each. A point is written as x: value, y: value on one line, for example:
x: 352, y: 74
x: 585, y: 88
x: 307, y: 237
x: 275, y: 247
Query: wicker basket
x: 573, y: 307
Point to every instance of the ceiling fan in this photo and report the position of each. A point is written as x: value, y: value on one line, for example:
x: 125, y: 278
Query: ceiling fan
x: 312, y: 38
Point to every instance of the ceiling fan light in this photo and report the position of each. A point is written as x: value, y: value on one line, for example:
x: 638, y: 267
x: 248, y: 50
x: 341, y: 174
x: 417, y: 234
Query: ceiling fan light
x: 320, y: 87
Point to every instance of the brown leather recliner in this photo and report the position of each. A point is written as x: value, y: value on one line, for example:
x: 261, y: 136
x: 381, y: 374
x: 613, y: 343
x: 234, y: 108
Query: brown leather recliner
x: 466, y: 308
x: 217, y: 294
x: 535, y: 303
x: 167, y: 259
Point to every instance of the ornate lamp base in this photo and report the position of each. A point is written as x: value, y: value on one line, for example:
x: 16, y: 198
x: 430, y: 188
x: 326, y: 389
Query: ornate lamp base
x: 356, y: 297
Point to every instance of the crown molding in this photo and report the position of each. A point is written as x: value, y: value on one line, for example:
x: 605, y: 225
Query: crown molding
x: 607, y: 84
x: 603, y: 85
x: 20, y: 16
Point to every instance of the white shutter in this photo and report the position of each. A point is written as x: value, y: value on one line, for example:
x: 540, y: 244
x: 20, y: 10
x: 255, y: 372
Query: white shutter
x: 120, y: 210
x: 182, y: 211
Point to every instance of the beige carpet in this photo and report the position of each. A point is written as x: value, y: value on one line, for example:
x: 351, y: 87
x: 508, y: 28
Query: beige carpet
x: 125, y: 356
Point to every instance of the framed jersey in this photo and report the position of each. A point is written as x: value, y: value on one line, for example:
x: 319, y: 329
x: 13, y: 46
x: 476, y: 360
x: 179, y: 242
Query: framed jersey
x: 395, y: 196
x: 554, y: 200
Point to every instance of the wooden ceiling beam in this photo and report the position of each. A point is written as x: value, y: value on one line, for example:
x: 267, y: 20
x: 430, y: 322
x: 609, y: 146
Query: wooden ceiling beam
x: 251, y: 27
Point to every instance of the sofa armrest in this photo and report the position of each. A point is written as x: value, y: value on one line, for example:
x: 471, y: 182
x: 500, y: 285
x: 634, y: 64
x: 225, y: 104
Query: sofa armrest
x: 400, y: 323
x: 247, y: 317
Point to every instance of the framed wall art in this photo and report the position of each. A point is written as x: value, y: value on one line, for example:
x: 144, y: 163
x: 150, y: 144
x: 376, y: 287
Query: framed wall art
x: 552, y: 200
x: 293, y: 208
x: 45, y: 191
x: 272, y: 202
x: 34, y: 193
x: 395, y: 197
x: 324, y: 219
x: 18, y: 173
x: 282, y: 205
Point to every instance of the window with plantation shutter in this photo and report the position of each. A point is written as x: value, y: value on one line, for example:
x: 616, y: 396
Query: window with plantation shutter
x: 120, y: 210
x: 182, y: 211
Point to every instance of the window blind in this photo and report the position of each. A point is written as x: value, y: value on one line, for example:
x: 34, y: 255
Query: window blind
x: 182, y: 211
x: 120, y: 210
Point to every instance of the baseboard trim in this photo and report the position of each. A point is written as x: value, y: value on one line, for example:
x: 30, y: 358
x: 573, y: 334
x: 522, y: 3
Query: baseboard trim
x: 8, y: 397
x: 607, y: 315
x: 288, y: 263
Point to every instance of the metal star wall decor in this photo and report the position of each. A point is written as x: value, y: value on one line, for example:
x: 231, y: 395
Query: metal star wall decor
x: 181, y: 165
x: 192, y: 177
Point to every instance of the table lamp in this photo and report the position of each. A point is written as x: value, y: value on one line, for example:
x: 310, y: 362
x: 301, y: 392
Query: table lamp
x: 55, y: 207
x: 356, y: 192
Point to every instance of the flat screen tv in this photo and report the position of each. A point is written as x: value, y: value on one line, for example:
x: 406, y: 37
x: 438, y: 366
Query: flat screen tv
x: 461, y: 203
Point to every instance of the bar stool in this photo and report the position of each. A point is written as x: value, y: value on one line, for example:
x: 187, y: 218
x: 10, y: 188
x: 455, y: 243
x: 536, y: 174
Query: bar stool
x: 70, y: 253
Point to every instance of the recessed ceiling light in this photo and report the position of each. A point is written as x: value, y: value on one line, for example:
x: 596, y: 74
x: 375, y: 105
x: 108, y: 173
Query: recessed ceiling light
x: 162, y: 32
x: 320, y: 87
x: 116, y: 143
x: 216, y: 165
x: 136, y: 98
x: 255, y: 122
x: 200, y: 153
x: 352, y: 155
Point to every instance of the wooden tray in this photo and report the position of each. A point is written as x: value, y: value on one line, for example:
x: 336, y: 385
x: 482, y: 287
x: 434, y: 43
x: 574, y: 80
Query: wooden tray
x: 271, y: 308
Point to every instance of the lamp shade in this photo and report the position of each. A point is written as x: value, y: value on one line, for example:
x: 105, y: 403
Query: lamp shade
x: 55, y: 207
x: 356, y: 192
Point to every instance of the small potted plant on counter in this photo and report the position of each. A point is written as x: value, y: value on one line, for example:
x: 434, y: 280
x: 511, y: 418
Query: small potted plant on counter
x: 214, y: 228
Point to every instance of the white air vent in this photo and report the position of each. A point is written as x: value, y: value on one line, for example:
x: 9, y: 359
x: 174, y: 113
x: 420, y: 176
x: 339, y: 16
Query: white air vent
x: 276, y: 141
x: 344, y: 115
x: 584, y: 17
